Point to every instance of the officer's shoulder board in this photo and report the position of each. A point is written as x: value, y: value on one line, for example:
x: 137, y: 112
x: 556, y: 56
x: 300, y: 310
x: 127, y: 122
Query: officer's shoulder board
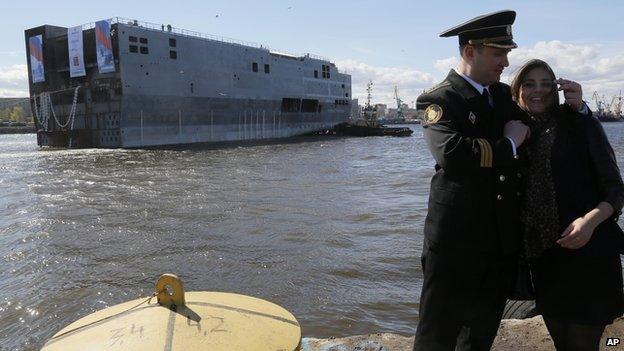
x: 433, y: 113
x: 443, y: 84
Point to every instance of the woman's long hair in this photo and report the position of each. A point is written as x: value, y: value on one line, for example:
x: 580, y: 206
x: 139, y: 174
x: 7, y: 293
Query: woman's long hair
x: 521, y: 74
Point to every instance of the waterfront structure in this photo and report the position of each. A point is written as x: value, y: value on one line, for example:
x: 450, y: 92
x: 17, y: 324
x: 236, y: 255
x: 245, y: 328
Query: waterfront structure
x: 149, y: 85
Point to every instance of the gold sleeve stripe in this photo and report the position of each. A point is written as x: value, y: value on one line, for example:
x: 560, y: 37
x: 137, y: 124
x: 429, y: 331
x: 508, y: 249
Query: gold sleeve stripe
x: 486, y: 153
x: 481, y: 153
x: 490, y: 153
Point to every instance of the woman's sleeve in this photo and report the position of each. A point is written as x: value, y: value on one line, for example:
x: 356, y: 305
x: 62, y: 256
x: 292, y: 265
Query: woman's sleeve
x: 603, y: 159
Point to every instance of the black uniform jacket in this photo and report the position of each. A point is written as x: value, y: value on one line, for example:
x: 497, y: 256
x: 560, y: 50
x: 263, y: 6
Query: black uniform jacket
x: 474, y: 195
x: 585, y: 173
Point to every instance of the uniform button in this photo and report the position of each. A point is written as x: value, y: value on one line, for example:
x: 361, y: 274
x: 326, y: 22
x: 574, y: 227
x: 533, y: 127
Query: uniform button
x: 502, y: 178
x: 519, y: 175
x: 499, y: 197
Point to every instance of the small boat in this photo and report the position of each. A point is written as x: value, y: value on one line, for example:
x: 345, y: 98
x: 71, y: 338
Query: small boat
x: 363, y: 129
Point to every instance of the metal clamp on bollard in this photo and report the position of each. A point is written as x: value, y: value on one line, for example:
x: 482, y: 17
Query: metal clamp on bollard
x: 169, y: 291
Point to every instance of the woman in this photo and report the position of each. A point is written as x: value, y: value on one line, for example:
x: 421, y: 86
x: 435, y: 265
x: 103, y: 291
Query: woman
x: 573, y: 196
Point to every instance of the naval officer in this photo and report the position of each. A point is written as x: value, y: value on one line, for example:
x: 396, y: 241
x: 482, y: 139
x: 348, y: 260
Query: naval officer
x: 473, y: 130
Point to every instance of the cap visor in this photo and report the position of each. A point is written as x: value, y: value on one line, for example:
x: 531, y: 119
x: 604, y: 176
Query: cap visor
x: 503, y: 44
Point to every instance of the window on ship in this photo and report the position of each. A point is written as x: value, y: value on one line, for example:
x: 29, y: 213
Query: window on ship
x: 254, y: 66
x: 290, y: 105
x: 309, y: 105
x: 326, y: 71
x: 266, y: 68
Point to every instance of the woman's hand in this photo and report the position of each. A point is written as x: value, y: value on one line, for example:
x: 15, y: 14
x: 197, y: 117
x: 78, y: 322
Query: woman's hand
x: 577, y: 234
x: 572, y: 92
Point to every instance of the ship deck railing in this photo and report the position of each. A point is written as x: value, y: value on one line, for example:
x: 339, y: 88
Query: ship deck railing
x: 194, y: 34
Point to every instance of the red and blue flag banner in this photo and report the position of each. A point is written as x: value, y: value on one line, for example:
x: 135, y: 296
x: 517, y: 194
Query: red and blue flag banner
x: 104, y: 47
x: 35, y: 46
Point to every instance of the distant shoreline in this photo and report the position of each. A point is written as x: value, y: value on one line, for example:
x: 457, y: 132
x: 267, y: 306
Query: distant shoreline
x: 17, y: 130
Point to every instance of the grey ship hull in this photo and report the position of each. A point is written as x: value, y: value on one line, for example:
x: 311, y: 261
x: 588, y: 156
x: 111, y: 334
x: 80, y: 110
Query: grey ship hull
x: 174, y: 120
x: 149, y: 121
x: 212, y: 92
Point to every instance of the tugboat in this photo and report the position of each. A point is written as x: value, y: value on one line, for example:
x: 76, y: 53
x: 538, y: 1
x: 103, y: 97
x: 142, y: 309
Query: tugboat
x: 369, y: 125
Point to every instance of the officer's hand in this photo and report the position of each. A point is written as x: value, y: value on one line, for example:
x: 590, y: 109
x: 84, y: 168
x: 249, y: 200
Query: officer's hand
x: 577, y: 234
x: 516, y: 131
x: 572, y: 92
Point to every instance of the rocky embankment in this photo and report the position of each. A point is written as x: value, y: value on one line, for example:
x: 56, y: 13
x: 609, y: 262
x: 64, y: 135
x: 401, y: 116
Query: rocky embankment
x: 513, y: 334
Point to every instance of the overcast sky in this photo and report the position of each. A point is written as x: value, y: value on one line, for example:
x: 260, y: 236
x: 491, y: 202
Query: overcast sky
x: 390, y: 42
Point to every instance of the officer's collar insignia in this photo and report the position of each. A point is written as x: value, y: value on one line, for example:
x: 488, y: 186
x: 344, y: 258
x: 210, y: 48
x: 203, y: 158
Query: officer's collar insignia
x: 472, y: 118
x: 433, y: 113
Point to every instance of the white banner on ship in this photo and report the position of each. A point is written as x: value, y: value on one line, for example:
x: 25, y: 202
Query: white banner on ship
x: 35, y: 46
x: 104, y: 47
x: 76, y: 56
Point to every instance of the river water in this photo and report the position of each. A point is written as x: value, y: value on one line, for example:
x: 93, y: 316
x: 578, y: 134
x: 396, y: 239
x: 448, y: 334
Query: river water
x: 329, y: 228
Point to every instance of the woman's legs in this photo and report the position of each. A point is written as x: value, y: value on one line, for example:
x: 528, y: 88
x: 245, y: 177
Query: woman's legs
x: 574, y: 337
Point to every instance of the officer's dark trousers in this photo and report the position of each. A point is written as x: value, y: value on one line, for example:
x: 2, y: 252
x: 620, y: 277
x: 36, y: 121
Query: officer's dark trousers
x: 462, y: 299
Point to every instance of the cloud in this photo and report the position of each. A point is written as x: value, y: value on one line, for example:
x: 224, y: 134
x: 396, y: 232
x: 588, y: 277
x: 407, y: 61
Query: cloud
x: 410, y: 82
x: 12, y: 93
x: 582, y: 63
x: 445, y: 65
x: 14, y: 81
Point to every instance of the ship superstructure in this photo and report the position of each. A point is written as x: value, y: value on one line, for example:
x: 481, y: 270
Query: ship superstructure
x: 167, y: 86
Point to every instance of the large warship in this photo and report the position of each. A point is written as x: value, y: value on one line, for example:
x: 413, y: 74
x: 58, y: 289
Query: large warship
x: 130, y: 84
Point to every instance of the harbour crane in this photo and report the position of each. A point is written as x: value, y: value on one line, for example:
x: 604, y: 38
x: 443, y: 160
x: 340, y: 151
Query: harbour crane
x: 600, y: 105
x: 608, y: 110
x: 616, y: 105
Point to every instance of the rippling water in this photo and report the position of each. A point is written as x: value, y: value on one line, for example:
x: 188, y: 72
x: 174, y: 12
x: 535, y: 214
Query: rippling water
x: 331, y: 229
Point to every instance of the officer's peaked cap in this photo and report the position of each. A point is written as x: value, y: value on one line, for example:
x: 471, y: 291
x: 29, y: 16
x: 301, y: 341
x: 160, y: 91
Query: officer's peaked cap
x: 493, y: 29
